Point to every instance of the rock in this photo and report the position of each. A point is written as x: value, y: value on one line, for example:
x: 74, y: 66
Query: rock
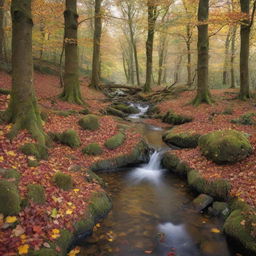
x: 246, y: 119
x: 10, y: 174
x: 153, y: 110
x: 85, y: 111
x: 89, y: 122
x: 170, y: 161
x: 182, y: 168
x: 93, y: 149
x: 34, y: 149
x: 125, y: 108
x: 36, y: 193
x: 92, y: 177
x: 225, y: 146
x: 176, y: 119
x: 202, y: 202
x: 181, y: 139
x: 220, y: 209
x: 63, y: 181
x: 9, y: 198
x: 115, y: 141
x: 115, y: 112
x: 70, y: 138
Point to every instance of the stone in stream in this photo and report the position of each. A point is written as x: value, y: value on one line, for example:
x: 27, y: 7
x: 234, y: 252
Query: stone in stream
x: 202, y: 202
x: 220, y: 209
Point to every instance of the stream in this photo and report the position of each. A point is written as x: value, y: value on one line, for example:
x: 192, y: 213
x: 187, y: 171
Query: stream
x: 152, y: 211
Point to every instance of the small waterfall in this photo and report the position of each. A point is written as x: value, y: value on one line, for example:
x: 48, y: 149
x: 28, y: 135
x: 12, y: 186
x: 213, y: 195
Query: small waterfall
x: 142, y: 110
x: 149, y: 172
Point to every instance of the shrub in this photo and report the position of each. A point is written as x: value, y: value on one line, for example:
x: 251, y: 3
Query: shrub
x: 69, y: 138
x: 36, y: 193
x: 89, y: 122
x: 92, y: 149
x: 115, y: 141
x: 63, y: 181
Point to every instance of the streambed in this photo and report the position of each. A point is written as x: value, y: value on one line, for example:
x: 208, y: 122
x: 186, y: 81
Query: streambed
x: 152, y: 212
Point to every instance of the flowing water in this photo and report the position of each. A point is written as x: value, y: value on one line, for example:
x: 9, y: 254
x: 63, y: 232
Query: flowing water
x: 152, y: 213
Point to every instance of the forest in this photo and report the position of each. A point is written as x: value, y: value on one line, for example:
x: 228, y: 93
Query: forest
x: 127, y: 128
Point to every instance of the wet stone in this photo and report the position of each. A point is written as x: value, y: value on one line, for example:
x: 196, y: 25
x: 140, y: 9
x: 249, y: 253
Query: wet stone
x: 202, y: 202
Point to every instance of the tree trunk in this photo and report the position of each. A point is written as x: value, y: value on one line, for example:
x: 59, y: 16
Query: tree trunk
x: 152, y: 16
x: 232, y: 60
x: 1, y: 30
x: 188, y: 44
x: 162, y: 52
x: 95, y: 80
x: 203, y: 93
x: 23, y: 109
x: 71, y: 92
x: 226, y: 58
x: 244, y: 51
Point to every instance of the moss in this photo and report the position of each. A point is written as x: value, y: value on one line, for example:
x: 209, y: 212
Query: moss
x: 228, y: 111
x: 63, y: 181
x: 153, y: 110
x: 9, y: 198
x: 115, y: 141
x: 236, y: 228
x: 12, y: 174
x: 64, y: 241
x: 176, y: 119
x: 66, y: 113
x: 219, y: 189
x: 45, y: 252
x: 93, y: 149
x: 34, y: 149
x: 44, y: 116
x: 181, y: 139
x: 182, y: 168
x: 85, y: 111
x: 36, y: 193
x: 170, y: 161
x: 246, y: 119
x: 94, y: 178
x: 33, y: 163
x: 196, y: 181
x: 89, y: 122
x: 225, y: 146
x: 4, y: 92
x: 84, y: 225
x: 221, y: 209
x: 126, y: 108
x: 70, y: 138
x: 115, y: 112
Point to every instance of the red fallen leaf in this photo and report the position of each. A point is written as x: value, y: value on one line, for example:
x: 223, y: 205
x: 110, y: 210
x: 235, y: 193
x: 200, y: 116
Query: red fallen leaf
x: 148, y: 252
x: 37, y: 229
x: 171, y: 254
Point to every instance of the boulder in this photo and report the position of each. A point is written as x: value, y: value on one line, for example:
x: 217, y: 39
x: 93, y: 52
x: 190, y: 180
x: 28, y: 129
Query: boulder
x: 202, y: 202
x: 36, y: 193
x: 181, y: 139
x: 69, y: 138
x: 171, y: 118
x: 93, y: 149
x: 89, y: 122
x: 220, y: 209
x: 115, y: 141
x: 63, y: 181
x: 115, y: 112
x: 225, y: 146
x: 170, y: 161
x: 126, y: 108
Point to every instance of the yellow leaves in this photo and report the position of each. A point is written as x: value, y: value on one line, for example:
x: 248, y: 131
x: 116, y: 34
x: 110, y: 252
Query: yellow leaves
x: 74, y: 252
x: 242, y: 222
x: 69, y: 212
x: 11, y: 153
x: 55, y: 233
x: 215, y: 230
x: 1, y: 159
x: 23, y: 249
x: 1, y: 133
x: 10, y: 219
x: 76, y: 190
x: 54, y: 213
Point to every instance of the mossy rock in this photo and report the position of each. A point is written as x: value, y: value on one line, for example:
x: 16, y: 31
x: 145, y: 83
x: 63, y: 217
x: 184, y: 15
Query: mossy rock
x: 85, y: 225
x: 202, y: 201
x: 115, y: 112
x: 239, y: 229
x: 9, y: 198
x: 225, y: 146
x: 93, y: 149
x: 34, y: 149
x: 11, y: 174
x: 36, y: 193
x: 85, y: 111
x: 70, y: 138
x: 196, y: 181
x: 246, y: 119
x: 182, y: 168
x: 176, y: 119
x: 181, y: 139
x: 94, y: 178
x: 228, y: 111
x: 64, y: 241
x: 63, y: 181
x: 115, y: 141
x: 66, y: 113
x: 89, y: 122
x: 170, y: 161
x: 33, y: 163
x: 45, y: 252
x: 153, y: 110
x: 126, y: 108
x: 220, y: 209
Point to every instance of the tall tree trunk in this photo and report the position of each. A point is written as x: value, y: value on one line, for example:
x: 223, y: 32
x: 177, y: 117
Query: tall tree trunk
x: 203, y: 93
x: 23, y: 109
x: 232, y: 60
x: 1, y: 30
x: 71, y: 92
x: 152, y: 16
x: 95, y: 80
x: 41, y: 52
x: 226, y: 58
x: 244, y: 51
x: 162, y: 52
x: 189, y: 57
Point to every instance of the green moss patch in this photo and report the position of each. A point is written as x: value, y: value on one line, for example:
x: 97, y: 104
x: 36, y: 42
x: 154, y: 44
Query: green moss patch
x: 181, y: 139
x: 64, y: 241
x: 100, y: 205
x: 45, y: 252
x: 93, y: 149
x: 115, y: 112
x: 9, y: 198
x: 63, y: 181
x: 246, y: 119
x: 69, y: 138
x: 34, y: 149
x: 94, y: 178
x: 126, y: 108
x: 225, y: 146
x: 11, y: 174
x: 89, y: 122
x: 36, y: 193
x: 115, y: 141
x: 176, y: 119
x: 170, y: 161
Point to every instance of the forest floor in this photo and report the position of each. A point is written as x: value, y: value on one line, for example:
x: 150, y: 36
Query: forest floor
x: 36, y: 224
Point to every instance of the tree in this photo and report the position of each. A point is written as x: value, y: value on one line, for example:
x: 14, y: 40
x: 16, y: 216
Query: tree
x: 71, y: 92
x: 95, y: 80
x: 23, y: 109
x: 1, y: 30
x: 203, y: 93
x: 152, y: 17
x: 232, y: 58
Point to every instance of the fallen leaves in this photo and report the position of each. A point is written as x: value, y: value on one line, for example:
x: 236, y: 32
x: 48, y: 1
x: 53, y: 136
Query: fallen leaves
x: 10, y: 219
x: 23, y: 249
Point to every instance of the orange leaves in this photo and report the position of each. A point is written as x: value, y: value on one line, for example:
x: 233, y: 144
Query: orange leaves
x: 23, y: 249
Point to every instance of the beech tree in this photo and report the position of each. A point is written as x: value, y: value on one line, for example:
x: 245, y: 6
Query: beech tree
x: 1, y: 30
x: 23, y: 109
x: 71, y: 92
x: 203, y: 93
x: 95, y: 80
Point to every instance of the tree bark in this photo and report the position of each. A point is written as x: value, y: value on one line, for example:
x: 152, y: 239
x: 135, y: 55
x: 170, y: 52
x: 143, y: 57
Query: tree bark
x: 226, y: 58
x: 71, y: 92
x: 152, y: 16
x: 1, y: 30
x: 23, y: 109
x: 203, y: 93
x: 245, y: 51
x: 232, y: 60
x: 189, y: 57
x: 95, y: 80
